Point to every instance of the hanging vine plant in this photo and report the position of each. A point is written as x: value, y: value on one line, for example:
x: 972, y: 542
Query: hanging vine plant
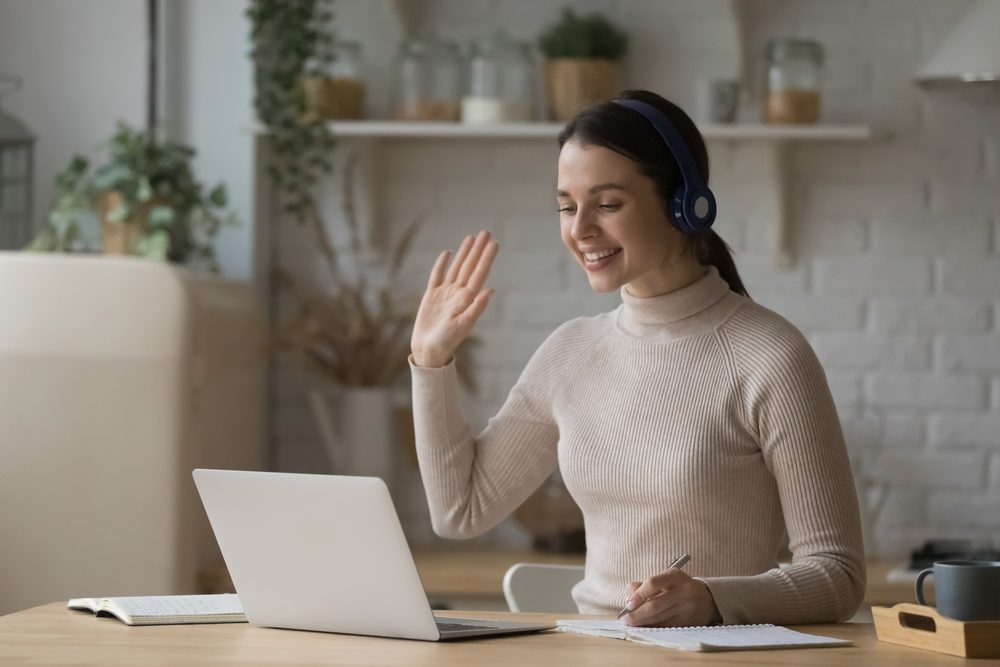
x: 292, y: 38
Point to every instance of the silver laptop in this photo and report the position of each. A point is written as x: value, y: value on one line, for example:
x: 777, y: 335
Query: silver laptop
x: 326, y: 553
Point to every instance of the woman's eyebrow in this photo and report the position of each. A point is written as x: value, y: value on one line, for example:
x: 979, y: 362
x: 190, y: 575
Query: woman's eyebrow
x: 594, y: 190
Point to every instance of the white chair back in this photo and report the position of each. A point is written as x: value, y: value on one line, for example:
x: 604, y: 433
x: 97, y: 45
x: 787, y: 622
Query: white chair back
x: 537, y: 587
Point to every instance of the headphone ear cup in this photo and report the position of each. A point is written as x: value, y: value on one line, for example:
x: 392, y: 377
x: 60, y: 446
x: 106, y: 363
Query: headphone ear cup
x: 693, y: 211
x: 677, y: 212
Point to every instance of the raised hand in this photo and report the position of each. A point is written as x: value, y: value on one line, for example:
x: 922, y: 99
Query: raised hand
x: 453, y: 301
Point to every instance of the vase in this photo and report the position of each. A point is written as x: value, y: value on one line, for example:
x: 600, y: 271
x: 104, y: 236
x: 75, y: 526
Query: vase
x: 356, y: 425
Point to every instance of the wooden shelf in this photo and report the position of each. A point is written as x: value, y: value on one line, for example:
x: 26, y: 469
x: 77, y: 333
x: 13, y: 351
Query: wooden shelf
x: 387, y: 129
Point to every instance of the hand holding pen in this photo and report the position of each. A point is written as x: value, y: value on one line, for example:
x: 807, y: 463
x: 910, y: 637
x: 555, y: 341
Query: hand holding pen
x: 670, y: 599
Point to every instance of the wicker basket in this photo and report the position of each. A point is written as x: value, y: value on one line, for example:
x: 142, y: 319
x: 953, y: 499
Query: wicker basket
x: 117, y: 238
x: 573, y: 84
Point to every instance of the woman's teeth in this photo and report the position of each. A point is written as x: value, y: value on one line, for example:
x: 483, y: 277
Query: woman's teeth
x: 600, y: 254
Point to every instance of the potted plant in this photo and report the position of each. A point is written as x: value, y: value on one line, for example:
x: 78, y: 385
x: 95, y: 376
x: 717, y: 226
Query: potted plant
x: 582, y: 62
x: 144, y: 199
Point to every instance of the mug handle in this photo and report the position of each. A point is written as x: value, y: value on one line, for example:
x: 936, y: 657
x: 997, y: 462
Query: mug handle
x: 920, y: 584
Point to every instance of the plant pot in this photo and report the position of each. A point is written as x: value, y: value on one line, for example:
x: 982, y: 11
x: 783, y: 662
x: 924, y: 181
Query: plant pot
x: 573, y: 84
x: 117, y: 238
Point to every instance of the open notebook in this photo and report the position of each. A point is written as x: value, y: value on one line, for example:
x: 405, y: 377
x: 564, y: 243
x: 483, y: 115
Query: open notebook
x: 166, y: 609
x: 714, y: 638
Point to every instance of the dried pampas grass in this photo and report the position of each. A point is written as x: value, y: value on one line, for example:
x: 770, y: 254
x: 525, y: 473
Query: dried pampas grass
x: 352, y: 333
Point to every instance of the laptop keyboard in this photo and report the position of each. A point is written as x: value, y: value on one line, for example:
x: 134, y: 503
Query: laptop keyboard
x: 447, y: 627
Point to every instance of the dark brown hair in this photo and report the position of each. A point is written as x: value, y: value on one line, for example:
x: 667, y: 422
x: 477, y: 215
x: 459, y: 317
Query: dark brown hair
x: 622, y: 130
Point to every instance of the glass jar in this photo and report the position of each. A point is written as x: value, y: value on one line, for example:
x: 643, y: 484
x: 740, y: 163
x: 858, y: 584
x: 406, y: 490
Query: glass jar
x: 794, y: 73
x: 427, y: 81
x: 501, y: 82
x: 337, y: 91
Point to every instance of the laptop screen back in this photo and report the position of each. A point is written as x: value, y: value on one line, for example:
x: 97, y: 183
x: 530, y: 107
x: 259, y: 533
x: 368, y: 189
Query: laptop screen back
x: 316, y: 552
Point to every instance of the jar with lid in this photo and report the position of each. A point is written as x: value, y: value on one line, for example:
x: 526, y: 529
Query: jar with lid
x: 427, y: 81
x: 336, y: 90
x: 501, y: 82
x: 794, y: 73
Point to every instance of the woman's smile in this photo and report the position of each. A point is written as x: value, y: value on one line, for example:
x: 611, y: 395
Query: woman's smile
x: 595, y: 260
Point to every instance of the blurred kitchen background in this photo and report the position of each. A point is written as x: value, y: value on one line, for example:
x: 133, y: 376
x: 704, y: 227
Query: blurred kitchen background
x: 861, y: 204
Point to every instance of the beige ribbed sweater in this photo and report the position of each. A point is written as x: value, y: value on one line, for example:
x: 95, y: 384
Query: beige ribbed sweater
x: 693, y: 422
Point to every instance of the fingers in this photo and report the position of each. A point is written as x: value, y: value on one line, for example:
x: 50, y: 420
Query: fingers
x: 472, y: 259
x: 437, y: 273
x: 648, y: 598
x: 656, y: 610
x: 483, y: 266
x: 650, y: 588
x: 456, y: 265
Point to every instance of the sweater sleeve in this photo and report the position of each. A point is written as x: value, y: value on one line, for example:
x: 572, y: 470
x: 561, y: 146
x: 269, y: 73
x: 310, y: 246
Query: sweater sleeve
x: 788, y: 406
x: 473, y: 483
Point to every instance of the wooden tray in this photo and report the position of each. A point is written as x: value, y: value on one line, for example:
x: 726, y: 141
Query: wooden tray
x: 923, y: 627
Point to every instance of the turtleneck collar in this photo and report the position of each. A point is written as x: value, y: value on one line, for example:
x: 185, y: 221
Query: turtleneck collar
x: 683, y: 312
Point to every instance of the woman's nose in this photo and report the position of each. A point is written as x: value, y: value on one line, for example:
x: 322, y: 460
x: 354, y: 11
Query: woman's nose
x: 583, y: 226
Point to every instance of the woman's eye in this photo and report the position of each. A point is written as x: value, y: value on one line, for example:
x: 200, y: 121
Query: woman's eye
x: 566, y: 209
x: 609, y: 207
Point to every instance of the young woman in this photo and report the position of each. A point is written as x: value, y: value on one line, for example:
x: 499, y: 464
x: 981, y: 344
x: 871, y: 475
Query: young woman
x: 688, y: 420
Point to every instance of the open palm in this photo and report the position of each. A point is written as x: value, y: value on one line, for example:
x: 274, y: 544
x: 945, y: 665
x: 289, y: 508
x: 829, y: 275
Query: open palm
x: 453, y: 301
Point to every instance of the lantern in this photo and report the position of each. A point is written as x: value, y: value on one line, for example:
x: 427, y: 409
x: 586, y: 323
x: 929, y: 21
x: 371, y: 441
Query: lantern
x: 16, y: 145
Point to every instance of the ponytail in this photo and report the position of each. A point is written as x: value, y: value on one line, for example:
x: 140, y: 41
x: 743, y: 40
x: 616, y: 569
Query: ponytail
x: 711, y: 250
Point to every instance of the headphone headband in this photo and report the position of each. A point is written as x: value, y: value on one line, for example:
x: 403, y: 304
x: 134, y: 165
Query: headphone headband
x: 694, y: 204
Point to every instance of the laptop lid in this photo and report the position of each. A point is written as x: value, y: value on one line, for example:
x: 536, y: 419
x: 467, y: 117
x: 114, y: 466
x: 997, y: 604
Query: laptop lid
x: 325, y: 553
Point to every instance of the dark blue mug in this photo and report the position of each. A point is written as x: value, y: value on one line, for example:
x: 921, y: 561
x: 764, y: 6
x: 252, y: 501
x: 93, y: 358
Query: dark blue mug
x: 966, y: 590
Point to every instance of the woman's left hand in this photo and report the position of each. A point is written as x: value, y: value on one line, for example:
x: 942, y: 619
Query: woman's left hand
x: 671, y: 599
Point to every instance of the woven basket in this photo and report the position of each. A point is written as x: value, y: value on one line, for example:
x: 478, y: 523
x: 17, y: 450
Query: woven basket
x: 117, y: 238
x: 573, y: 84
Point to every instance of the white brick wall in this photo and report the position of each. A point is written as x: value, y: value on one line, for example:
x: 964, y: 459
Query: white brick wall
x: 924, y: 391
x: 980, y: 431
x: 897, y: 244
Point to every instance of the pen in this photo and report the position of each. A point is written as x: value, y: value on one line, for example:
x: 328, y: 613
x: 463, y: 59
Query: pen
x: 684, y: 558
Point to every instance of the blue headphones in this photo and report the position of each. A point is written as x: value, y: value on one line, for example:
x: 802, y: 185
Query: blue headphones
x: 693, y: 204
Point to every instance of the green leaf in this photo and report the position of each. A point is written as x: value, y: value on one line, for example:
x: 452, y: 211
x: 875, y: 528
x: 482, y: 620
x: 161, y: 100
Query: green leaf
x: 161, y: 216
x: 217, y: 197
x: 590, y: 36
x: 118, y: 214
x: 154, y: 245
x: 145, y: 191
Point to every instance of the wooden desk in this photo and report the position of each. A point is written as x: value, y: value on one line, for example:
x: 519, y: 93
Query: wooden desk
x: 53, y: 635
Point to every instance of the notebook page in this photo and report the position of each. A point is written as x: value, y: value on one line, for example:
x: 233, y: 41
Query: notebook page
x: 180, y: 605
x: 612, y: 629
x: 732, y: 637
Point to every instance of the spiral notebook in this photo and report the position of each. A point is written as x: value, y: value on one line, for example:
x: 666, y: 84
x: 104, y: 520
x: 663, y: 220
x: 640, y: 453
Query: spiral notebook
x: 707, y: 638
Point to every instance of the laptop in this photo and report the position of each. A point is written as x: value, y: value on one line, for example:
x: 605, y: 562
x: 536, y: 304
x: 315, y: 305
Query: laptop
x: 325, y: 553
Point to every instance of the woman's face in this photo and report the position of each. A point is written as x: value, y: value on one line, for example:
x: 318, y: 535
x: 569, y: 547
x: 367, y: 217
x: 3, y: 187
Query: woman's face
x: 613, y: 222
